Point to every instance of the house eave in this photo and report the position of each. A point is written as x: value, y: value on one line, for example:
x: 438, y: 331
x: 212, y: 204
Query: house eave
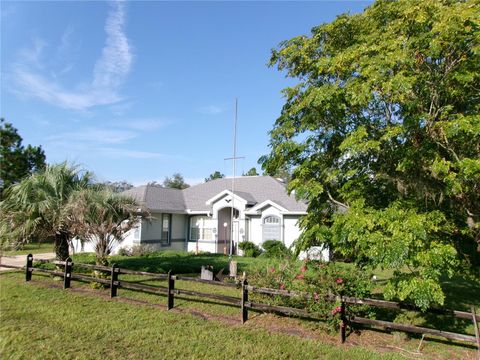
x: 198, y: 212
x: 259, y: 212
x: 266, y: 203
x: 167, y: 211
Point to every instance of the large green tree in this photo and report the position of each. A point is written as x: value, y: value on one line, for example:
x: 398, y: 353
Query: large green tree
x: 175, y: 182
x: 118, y: 186
x: 383, y: 133
x: 251, y: 172
x: 16, y: 161
x: 213, y: 176
x: 39, y: 208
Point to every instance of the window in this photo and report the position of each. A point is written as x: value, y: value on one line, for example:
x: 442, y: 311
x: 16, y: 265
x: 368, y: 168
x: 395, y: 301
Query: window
x: 166, y: 227
x: 271, y: 229
x: 207, y: 234
x: 271, y: 220
x: 194, y: 233
x: 199, y: 228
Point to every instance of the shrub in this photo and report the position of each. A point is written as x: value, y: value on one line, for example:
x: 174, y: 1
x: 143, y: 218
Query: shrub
x: 136, y: 250
x: 318, y: 281
x: 276, y: 249
x: 124, y: 251
x: 250, y: 249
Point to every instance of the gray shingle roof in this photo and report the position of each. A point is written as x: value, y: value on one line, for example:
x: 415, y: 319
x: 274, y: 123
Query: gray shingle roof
x: 254, y: 189
x: 158, y: 198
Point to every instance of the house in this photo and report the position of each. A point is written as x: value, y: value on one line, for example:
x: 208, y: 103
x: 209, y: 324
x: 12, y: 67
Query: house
x: 210, y: 217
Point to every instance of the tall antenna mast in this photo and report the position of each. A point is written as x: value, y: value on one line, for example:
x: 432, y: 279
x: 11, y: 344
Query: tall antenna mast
x: 234, y: 159
x: 234, y: 173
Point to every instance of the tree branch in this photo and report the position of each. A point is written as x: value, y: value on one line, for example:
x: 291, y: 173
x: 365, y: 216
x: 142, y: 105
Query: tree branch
x: 336, y: 201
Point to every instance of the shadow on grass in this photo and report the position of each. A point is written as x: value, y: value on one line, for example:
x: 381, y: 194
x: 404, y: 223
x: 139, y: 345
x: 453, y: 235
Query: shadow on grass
x: 461, y: 293
x: 357, y: 328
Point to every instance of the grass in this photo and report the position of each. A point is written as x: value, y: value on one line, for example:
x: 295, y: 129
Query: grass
x: 215, y: 314
x: 180, y: 262
x: 40, y: 322
x: 460, y: 293
x: 30, y: 248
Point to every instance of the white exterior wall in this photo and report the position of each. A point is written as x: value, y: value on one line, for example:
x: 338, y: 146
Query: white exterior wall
x: 255, y: 230
x: 316, y: 253
x: 210, y: 247
x: 291, y: 229
x: 128, y: 241
x: 256, y: 225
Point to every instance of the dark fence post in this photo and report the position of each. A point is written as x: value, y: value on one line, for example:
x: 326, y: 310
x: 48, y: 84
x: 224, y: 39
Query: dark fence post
x: 244, y: 300
x: 343, y: 325
x: 67, y: 277
x: 114, y: 280
x: 28, y: 266
x: 171, y: 287
x: 475, y: 325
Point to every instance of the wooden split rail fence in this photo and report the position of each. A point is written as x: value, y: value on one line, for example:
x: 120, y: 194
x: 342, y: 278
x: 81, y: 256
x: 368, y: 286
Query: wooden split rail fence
x: 244, y: 303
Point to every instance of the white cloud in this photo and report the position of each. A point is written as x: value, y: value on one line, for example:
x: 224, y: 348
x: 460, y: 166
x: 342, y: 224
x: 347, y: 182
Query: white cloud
x: 211, y: 110
x: 92, y: 136
x: 32, y: 56
x: 116, y: 60
x: 145, y: 124
x: 132, y: 154
x: 109, y: 72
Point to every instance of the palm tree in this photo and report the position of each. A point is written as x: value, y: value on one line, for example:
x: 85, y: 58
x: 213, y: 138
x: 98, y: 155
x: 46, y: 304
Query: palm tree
x: 103, y: 218
x: 39, y: 207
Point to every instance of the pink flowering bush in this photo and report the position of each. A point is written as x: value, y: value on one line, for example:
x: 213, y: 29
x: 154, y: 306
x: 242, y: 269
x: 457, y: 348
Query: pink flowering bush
x: 318, y: 281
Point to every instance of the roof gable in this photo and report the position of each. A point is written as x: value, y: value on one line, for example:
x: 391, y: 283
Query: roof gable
x: 253, y: 189
x: 265, y: 204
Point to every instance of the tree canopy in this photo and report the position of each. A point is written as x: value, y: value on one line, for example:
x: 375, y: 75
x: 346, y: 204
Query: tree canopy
x: 175, y: 182
x: 16, y: 161
x: 118, y: 186
x: 382, y: 132
x: 38, y: 207
x: 103, y: 218
x: 215, y: 175
x: 251, y: 172
x: 62, y: 202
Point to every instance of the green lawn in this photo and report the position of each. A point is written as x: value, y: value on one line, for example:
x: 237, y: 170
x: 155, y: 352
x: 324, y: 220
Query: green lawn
x: 460, y: 293
x: 180, y: 262
x: 33, y: 297
x: 41, y: 322
x: 31, y: 248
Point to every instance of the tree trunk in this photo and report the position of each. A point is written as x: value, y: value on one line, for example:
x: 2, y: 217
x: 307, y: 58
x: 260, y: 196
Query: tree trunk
x: 61, y: 246
x: 101, y: 250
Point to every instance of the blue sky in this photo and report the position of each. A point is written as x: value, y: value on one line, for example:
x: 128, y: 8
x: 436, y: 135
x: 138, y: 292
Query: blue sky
x: 139, y: 90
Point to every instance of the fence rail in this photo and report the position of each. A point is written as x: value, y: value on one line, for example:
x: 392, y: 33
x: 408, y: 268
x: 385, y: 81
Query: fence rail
x: 243, y: 301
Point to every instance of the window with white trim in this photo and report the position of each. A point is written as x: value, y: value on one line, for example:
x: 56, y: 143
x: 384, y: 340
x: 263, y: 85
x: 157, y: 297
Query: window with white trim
x: 199, y: 229
x: 271, y: 229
